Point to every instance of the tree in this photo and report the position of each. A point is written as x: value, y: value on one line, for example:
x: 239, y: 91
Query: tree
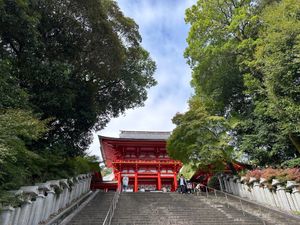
x: 80, y: 62
x: 201, y: 139
x: 66, y: 68
x: 245, y: 68
x: 270, y: 135
x: 278, y: 57
x: 17, y: 129
x: 220, y: 41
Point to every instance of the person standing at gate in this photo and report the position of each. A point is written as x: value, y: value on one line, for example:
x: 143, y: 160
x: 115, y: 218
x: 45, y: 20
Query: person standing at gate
x: 182, y: 184
x: 125, y: 181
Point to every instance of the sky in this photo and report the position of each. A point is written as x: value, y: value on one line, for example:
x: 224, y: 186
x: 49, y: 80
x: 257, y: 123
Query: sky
x: 164, y: 32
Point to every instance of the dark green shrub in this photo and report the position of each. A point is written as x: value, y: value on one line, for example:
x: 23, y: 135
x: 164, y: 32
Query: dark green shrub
x: 214, y: 183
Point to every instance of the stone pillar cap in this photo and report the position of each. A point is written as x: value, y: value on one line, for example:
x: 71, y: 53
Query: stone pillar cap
x: 32, y: 190
x: 243, y: 178
x: 275, y: 182
x: 71, y: 180
x: 263, y: 180
x: 252, y: 179
x: 295, y: 190
x: 290, y: 184
x: 235, y: 177
x: 53, y: 183
x: 279, y: 187
x: 82, y: 176
x: 44, y: 186
x: 64, y: 182
x: 7, y: 208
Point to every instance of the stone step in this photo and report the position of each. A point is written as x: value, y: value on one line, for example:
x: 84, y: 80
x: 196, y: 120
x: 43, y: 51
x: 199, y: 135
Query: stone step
x: 169, y: 208
x: 95, y: 211
x: 175, y: 209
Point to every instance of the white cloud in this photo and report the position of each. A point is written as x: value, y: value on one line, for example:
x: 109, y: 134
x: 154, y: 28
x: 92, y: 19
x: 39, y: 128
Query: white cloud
x: 164, y: 32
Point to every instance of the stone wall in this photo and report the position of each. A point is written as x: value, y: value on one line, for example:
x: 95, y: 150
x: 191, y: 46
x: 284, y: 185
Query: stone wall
x: 283, y: 197
x: 44, y: 200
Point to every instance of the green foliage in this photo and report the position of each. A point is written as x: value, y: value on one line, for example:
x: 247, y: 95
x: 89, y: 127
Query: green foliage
x: 188, y: 171
x: 270, y: 135
x: 244, y: 57
x: 292, y: 163
x: 106, y: 171
x: 17, y: 129
x: 80, y: 63
x: 214, y: 183
x: 66, y: 68
x: 200, y: 139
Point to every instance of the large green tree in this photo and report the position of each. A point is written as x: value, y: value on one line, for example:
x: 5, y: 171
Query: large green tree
x: 271, y: 133
x: 201, y: 139
x: 244, y: 56
x: 80, y: 63
x: 221, y: 38
x: 220, y: 32
x: 66, y: 68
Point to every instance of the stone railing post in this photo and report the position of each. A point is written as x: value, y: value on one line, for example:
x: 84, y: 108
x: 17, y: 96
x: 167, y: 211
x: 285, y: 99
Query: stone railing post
x: 253, y: 195
x: 71, y: 191
x: 220, y: 178
x: 64, y: 195
x: 282, y: 193
x: 81, y: 184
x: 84, y: 180
x: 269, y: 198
x: 16, y: 216
x: 49, y: 202
x: 44, y: 200
x: 244, y: 186
x: 227, y: 185
x: 296, y: 197
x: 289, y: 186
x: 56, y: 185
x: 89, y: 182
x: 277, y: 198
x: 233, y: 185
x: 39, y: 207
x: 76, y: 188
x: 25, y: 212
x: 6, y: 215
x: 28, y: 211
x: 239, y: 188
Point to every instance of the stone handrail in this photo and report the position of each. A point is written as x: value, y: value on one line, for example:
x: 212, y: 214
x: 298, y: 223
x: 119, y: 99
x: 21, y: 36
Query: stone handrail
x: 44, y: 200
x: 283, y: 197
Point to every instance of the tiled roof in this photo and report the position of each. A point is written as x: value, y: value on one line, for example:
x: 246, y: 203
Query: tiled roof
x: 158, y: 135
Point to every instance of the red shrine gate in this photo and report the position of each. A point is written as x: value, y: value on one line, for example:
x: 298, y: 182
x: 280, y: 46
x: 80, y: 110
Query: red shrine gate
x: 141, y: 156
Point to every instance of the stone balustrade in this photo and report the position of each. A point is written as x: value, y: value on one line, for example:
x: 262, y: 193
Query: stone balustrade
x: 284, y: 197
x: 43, y: 200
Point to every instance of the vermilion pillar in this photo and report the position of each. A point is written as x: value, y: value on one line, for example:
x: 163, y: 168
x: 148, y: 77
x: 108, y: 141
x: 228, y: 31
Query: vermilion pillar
x: 135, y: 182
x: 158, y: 181
x: 175, y: 181
x: 119, y: 180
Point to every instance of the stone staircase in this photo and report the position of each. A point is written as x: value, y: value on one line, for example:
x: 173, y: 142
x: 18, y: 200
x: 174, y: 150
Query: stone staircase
x: 145, y: 208
x: 176, y: 209
x: 95, y: 211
